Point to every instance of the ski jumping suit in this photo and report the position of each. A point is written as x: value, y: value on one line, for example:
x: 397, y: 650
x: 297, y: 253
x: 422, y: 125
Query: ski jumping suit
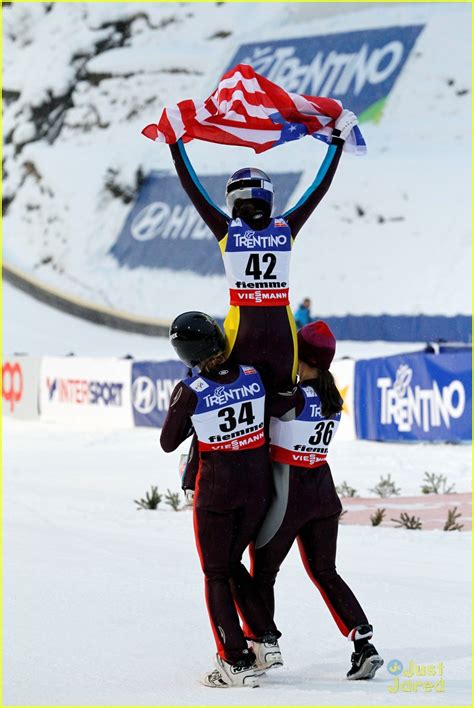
x: 226, y: 408
x: 305, y: 507
x: 259, y: 327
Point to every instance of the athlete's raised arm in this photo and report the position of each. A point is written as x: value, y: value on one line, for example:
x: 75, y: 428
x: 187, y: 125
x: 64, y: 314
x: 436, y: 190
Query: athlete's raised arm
x: 215, y: 218
x: 300, y: 213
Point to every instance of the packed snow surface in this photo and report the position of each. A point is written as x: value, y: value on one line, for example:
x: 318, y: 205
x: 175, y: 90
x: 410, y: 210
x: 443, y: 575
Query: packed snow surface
x: 104, y: 604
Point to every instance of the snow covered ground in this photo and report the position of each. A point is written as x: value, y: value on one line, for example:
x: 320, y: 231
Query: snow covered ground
x: 103, y: 604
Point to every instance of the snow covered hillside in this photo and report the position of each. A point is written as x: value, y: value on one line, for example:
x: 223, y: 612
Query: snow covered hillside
x: 81, y: 80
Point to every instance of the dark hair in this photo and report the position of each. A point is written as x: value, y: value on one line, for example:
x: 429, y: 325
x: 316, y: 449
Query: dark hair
x: 328, y: 393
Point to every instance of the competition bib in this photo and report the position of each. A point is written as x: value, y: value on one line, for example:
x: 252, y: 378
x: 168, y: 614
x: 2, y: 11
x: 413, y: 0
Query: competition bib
x: 229, y: 417
x: 304, y: 441
x: 257, y: 263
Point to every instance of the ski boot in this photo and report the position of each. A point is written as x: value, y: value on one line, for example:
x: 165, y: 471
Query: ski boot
x: 243, y: 673
x: 364, y: 663
x: 267, y: 652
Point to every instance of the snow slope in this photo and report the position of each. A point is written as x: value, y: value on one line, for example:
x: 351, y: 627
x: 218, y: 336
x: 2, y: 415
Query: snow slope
x: 393, y: 232
x: 103, y: 605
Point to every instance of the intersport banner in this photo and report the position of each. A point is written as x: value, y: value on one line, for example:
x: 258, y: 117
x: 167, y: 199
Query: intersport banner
x: 20, y: 383
x: 164, y: 230
x: 414, y: 397
x: 87, y: 390
x: 152, y: 384
x: 358, y: 68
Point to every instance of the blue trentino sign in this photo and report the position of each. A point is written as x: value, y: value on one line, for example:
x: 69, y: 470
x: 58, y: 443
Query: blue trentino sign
x: 358, y: 68
x: 414, y: 397
x: 163, y: 229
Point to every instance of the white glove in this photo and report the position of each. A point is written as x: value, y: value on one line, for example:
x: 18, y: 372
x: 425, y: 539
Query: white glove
x: 346, y: 121
x: 189, y: 494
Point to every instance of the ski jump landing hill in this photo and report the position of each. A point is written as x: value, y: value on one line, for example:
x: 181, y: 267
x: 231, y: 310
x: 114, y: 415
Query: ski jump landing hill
x: 96, y: 221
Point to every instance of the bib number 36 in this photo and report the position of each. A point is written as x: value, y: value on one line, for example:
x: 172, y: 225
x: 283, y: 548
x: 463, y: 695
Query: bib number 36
x: 322, y: 433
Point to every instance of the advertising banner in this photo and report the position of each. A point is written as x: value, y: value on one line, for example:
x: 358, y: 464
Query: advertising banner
x: 358, y: 68
x: 164, y: 230
x: 414, y: 397
x: 152, y: 384
x: 80, y: 389
x: 20, y: 383
x: 343, y: 372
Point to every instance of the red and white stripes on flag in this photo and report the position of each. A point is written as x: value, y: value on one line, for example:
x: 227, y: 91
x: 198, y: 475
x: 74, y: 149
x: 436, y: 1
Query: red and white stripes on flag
x: 249, y: 110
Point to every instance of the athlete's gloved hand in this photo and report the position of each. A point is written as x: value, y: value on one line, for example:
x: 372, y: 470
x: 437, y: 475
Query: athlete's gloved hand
x: 189, y: 496
x: 346, y: 121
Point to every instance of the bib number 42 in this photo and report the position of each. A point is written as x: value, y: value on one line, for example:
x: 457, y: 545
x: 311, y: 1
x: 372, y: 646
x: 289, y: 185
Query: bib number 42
x: 255, y: 266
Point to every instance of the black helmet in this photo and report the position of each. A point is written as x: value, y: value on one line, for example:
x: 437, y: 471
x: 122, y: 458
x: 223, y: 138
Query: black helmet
x: 196, y: 337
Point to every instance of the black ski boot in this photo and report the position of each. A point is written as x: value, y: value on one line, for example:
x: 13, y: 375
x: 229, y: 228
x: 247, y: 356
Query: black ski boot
x: 364, y: 663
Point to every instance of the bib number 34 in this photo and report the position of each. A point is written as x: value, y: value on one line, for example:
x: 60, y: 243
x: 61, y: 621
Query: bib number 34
x: 232, y: 417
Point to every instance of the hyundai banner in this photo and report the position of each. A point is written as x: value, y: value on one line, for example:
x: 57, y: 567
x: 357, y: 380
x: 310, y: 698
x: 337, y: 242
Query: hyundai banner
x: 164, y: 230
x: 358, y: 68
x: 152, y: 385
x: 414, y: 397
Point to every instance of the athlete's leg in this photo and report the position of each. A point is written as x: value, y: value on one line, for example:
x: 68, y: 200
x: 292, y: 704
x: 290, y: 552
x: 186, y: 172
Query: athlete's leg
x: 317, y: 541
x: 258, y: 620
x: 215, y: 534
x: 266, y: 338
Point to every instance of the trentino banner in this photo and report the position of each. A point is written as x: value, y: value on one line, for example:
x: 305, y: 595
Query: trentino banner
x: 414, y: 397
x: 358, y: 68
x: 164, y: 230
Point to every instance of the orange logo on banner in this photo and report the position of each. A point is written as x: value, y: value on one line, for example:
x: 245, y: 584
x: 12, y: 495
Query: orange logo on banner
x: 12, y: 383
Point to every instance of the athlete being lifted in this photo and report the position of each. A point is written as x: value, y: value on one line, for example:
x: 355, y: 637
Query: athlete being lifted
x: 256, y: 249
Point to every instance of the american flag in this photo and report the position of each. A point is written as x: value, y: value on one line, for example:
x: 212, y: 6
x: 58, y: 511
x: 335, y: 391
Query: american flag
x: 249, y: 110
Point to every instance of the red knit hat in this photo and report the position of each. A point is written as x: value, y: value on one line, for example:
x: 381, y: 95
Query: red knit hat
x: 316, y: 345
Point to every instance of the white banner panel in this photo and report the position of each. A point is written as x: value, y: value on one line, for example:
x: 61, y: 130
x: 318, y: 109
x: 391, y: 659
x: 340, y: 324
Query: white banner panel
x: 343, y: 372
x: 80, y: 389
x: 20, y: 382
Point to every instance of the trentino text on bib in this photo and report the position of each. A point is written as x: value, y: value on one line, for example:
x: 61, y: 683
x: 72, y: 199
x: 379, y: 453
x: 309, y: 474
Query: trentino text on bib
x: 303, y: 441
x: 229, y: 417
x: 257, y: 263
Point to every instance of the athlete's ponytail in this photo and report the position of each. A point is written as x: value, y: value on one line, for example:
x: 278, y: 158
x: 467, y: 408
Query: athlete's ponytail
x: 328, y: 393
